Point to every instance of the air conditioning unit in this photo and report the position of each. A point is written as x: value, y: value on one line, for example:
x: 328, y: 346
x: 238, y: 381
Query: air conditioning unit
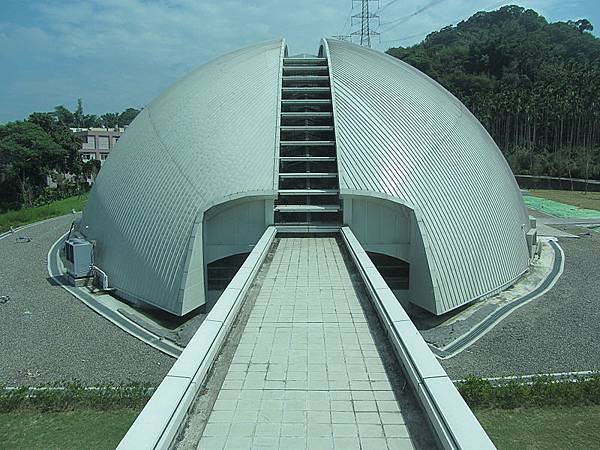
x: 78, y: 254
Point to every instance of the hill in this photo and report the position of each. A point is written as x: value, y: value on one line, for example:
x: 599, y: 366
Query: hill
x: 534, y: 85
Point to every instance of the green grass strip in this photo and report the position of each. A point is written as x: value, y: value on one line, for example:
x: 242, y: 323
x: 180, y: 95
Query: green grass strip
x: 548, y: 428
x: 66, y: 430
x: 30, y: 215
x: 557, y: 209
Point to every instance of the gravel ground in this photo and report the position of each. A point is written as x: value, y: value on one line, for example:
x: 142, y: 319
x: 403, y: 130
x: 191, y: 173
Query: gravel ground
x: 559, y: 332
x: 47, y: 335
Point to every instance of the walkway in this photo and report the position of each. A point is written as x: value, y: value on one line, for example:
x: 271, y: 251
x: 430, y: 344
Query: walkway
x: 308, y: 371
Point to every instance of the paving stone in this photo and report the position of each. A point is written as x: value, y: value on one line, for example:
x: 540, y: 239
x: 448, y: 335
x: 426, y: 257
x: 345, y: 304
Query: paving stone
x: 264, y: 442
x: 307, y: 373
x: 396, y: 431
x: 368, y: 417
x: 400, y: 444
x: 319, y: 416
x: 242, y: 429
x: 212, y: 442
x: 344, y: 430
x: 238, y: 443
x: 293, y: 429
x: 216, y: 429
x: 267, y: 429
x: 342, y: 417
x: 370, y: 430
x: 373, y: 444
x: 292, y: 443
x: 342, y: 443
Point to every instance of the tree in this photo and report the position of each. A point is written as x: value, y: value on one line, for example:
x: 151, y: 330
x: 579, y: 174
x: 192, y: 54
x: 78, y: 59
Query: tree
x: 64, y: 116
x: 532, y: 84
x: 581, y: 25
x: 127, y: 116
x: 78, y: 115
x: 63, y: 136
x: 110, y: 120
x: 91, y: 169
x: 27, y: 156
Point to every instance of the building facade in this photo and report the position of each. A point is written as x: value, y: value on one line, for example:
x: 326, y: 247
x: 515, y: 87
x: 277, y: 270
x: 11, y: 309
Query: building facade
x: 97, y: 142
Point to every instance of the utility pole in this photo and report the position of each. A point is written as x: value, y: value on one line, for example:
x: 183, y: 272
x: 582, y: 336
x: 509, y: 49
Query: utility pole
x: 365, y: 17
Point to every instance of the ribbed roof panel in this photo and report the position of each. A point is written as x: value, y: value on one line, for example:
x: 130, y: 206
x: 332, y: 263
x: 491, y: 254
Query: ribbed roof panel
x: 400, y: 133
x: 210, y: 136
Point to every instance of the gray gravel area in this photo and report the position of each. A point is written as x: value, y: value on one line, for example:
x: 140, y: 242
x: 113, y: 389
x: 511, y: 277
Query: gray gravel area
x: 47, y: 335
x: 558, y: 332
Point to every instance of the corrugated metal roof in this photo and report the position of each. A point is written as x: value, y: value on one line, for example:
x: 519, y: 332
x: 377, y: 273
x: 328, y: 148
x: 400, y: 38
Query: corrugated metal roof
x: 209, y: 137
x: 401, y: 134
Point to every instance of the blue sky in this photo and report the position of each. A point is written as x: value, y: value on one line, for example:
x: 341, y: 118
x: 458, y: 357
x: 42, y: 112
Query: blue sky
x: 120, y: 53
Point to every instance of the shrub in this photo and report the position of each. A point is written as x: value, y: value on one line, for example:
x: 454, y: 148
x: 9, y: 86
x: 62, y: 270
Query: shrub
x: 531, y: 392
x: 74, y: 395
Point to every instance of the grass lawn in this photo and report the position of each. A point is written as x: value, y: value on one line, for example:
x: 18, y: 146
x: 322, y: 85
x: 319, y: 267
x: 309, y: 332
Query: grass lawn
x: 545, y: 428
x: 590, y: 200
x: 30, y: 215
x: 523, y: 429
x: 64, y: 430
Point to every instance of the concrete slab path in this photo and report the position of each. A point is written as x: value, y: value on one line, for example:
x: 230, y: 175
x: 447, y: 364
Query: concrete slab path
x: 307, y: 372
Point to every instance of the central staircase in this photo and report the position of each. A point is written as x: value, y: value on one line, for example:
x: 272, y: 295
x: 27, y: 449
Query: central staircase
x: 308, y: 175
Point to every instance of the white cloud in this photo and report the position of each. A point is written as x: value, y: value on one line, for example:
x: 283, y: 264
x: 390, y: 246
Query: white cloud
x: 119, y: 53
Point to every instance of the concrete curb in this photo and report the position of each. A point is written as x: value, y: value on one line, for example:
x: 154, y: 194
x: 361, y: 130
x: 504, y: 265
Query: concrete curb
x: 487, y: 325
x: 125, y: 324
x: 453, y: 422
x: 160, y: 421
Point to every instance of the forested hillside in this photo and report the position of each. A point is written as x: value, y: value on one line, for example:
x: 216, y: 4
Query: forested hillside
x: 534, y: 85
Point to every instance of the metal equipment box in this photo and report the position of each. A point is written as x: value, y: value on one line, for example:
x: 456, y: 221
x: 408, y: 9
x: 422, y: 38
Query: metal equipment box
x: 78, y: 254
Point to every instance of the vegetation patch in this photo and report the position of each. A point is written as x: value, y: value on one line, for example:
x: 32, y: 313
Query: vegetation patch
x: 30, y: 215
x: 558, y: 209
x: 530, y: 82
x: 541, y: 391
x: 579, y: 199
x: 542, y: 428
x: 74, y: 396
x: 87, y: 429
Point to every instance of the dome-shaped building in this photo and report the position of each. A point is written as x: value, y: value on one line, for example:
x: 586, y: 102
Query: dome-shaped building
x: 352, y: 137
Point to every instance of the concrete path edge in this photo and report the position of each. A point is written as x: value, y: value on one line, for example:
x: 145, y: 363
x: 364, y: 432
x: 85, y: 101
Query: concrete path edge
x: 485, y: 326
x: 163, y: 345
x: 453, y: 422
x: 159, y: 423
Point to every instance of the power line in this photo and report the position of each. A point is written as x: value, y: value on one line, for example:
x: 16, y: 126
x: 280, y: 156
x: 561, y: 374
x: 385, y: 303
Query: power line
x: 343, y: 36
x: 412, y: 36
x: 405, y: 38
x: 387, y: 4
x: 386, y: 26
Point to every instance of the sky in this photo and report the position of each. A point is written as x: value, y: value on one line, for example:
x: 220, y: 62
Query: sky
x: 120, y: 53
